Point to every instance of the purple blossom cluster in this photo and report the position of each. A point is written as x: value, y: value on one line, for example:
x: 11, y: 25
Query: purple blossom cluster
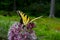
x: 30, y: 25
x: 17, y: 32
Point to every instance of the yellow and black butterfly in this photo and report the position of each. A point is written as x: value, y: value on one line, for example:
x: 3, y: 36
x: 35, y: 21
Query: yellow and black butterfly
x: 25, y: 19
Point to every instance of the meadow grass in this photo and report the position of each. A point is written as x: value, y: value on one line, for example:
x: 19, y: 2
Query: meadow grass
x: 46, y: 28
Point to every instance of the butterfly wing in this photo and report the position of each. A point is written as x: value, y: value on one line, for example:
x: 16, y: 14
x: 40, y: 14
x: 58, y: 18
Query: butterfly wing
x: 24, y: 18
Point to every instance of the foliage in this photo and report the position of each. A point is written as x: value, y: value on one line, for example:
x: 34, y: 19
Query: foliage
x: 7, y: 13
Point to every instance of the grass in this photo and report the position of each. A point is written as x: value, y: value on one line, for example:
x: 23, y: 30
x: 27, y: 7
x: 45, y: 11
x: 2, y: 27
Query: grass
x: 46, y: 28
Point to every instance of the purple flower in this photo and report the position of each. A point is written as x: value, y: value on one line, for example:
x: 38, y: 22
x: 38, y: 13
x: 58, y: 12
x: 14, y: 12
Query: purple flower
x: 30, y: 25
x: 17, y: 32
x: 14, y: 31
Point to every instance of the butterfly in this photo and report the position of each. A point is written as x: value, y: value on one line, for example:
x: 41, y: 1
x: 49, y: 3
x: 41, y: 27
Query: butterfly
x: 25, y: 19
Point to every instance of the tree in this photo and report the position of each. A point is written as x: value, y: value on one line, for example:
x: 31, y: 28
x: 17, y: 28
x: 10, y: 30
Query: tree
x: 52, y: 9
x: 14, y: 5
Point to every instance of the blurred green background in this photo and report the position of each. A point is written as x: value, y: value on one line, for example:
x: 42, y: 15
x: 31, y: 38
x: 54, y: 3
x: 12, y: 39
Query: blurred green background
x: 46, y: 28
